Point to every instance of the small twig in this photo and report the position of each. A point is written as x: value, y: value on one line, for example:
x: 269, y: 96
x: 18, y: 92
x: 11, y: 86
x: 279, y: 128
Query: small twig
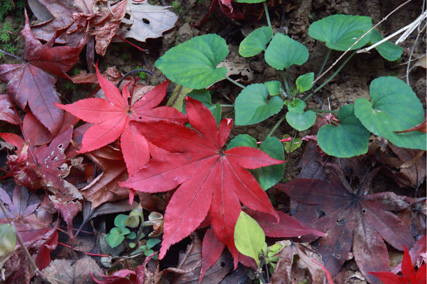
x: 235, y: 82
x: 12, y: 55
x: 365, y: 34
x: 132, y: 72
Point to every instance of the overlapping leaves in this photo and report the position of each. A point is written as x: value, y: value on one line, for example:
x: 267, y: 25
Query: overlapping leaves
x: 212, y: 180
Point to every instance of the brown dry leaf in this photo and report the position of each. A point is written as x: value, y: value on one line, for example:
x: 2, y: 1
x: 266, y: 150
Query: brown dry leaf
x: 62, y: 271
x: 289, y: 271
x: 191, y: 262
x: 406, y: 166
x: 143, y: 20
x: 421, y: 62
x: 105, y: 188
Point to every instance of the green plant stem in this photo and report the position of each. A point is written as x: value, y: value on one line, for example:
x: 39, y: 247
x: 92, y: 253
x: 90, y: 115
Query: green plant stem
x: 21, y: 243
x: 330, y: 78
x: 275, y: 126
x: 267, y: 15
x: 235, y: 82
x: 285, y: 82
x: 12, y: 55
x: 324, y: 62
x: 226, y: 105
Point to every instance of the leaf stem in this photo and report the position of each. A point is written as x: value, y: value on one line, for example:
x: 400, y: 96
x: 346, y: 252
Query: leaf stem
x: 324, y: 62
x: 12, y: 55
x: 226, y: 105
x: 275, y: 126
x: 267, y: 15
x: 322, y: 110
x: 330, y: 78
x: 21, y: 243
x: 132, y: 72
x: 235, y: 82
x: 285, y: 82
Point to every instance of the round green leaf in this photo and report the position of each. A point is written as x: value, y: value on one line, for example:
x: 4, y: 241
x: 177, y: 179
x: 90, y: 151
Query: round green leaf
x: 387, y: 50
x: 339, y: 32
x: 252, y: 105
x: 274, y: 87
x: 301, y: 121
x: 131, y: 236
x: 297, y: 105
x: 242, y: 140
x: 249, y: 237
x: 282, y: 52
x: 120, y: 220
x: 305, y: 82
x: 394, y: 107
x: 152, y: 243
x: 348, y: 139
x: 269, y: 176
x: 193, y: 63
x: 114, y: 238
x: 255, y: 42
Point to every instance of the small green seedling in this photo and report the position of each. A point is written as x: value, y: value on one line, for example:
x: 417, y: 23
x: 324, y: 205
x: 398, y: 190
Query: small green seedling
x: 118, y: 234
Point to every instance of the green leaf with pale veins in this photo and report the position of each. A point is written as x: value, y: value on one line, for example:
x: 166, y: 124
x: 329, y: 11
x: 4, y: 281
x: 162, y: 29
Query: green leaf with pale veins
x: 394, y: 107
x: 255, y: 42
x: 282, y: 52
x: 193, y: 64
x: 253, y: 105
x: 339, y: 32
x: 387, y: 50
x: 347, y: 139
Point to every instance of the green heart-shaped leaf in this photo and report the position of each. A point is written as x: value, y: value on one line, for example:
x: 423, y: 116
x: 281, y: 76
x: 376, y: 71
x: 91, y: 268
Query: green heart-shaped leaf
x: 249, y: 237
x: 348, y: 139
x: 305, y: 82
x: 120, y: 220
x: 282, y: 52
x: 252, y: 105
x: 394, y: 107
x: 242, y: 140
x: 114, y: 238
x: 193, y: 63
x: 274, y: 87
x: 339, y: 32
x: 296, y: 105
x: 387, y: 50
x: 301, y: 121
x: 269, y: 176
x: 255, y: 42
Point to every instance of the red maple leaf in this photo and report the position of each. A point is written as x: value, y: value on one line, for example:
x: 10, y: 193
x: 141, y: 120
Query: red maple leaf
x: 30, y: 83
x: 351, y: 219
x: 212, y: 180
x: 408, y: 271
x: 112, y: 117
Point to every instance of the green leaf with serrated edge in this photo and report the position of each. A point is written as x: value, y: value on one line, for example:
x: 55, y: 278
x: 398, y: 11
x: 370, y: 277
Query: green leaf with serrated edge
x: 296, y: 105
x: 249, y: 237
x: 193, y: 63
x: 305, y: 82
x: 291, y: 145
x: 152, y: 243
x: 282, y: 52
x: 114, y: 238
x: 120, y: 220
x: 274, y: 87
x: 394, y: 107
x: 269, y: 176
x: 255, y: 42
x: 339, y: 32
x: 387, y: 50
x: 348, y: 139
x: 301, y: 121
x: 252, y: 105
x: 242, y: 140
x: 204, y: 96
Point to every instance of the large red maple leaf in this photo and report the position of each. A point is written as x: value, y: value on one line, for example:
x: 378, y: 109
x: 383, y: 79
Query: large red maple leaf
x: 112, y: 117
x: 212, y: 180
x: 31, y: 83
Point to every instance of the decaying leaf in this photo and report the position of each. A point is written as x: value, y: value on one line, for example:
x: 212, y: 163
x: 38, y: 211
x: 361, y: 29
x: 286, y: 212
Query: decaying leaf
x: 350, y: 219
x: 6, y: 110
x: 143, y: 20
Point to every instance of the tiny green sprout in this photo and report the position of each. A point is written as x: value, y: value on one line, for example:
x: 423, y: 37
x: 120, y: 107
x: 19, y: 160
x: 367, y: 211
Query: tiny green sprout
x: 142, y: 75
x: 117, y: 234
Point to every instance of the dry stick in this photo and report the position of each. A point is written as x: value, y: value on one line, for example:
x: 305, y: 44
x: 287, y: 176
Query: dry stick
x: 21, y: 243
x: 348, y: 49
x: 407, y: 29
